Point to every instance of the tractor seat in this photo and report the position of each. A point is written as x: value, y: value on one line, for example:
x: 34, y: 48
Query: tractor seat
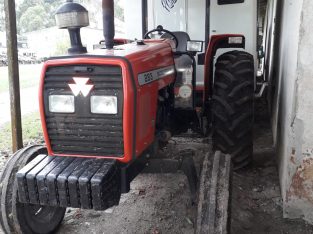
x: 181, y: 60
x: 182, y: 38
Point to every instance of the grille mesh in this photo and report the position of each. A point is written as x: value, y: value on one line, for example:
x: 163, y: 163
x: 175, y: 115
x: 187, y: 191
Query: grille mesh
x: 84, y: 133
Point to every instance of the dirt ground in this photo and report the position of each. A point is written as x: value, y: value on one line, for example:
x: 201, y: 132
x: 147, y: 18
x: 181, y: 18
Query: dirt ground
x: 256, y: 199
x: 161, y: 203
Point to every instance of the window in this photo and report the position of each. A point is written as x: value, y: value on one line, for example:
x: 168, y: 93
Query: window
x: 224, y: 2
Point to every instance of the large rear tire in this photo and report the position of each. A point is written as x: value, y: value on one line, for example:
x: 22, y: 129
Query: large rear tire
x: 233, y: 107
x: 17, y: 217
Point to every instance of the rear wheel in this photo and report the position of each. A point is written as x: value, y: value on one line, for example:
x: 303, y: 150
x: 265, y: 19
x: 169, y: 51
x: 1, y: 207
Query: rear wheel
x: 233, y: 107
x: 17, y: 217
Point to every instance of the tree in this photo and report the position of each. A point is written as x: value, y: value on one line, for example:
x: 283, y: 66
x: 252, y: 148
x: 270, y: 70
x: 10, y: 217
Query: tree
x: 36, y: 14
x: 61, y: 47
x: 34, y: 18
x: 118, y: 10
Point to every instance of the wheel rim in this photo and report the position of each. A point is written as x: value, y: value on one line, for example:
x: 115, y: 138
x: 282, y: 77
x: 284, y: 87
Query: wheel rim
x: 17, y: 217
x: 37, y: 216
x: 38, y: 212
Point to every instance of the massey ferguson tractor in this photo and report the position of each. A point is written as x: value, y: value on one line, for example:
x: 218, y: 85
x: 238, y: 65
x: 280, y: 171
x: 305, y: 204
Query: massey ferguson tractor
x: 105, y: 113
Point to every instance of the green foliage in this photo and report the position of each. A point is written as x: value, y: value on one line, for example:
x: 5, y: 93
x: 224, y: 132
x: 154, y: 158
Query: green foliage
x: 29, y: 77
x: 118, y: 10
x: 34, y: 18
x: 62, y: 47
x: 36, y: 14
x: 95, y: 10
x: 31, y: 131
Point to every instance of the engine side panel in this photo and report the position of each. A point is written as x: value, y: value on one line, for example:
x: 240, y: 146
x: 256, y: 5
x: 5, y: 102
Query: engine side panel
x: 157, y: 71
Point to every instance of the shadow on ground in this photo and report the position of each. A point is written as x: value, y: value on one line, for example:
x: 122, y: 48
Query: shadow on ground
x: 161, y: 203
x: 256, y: 198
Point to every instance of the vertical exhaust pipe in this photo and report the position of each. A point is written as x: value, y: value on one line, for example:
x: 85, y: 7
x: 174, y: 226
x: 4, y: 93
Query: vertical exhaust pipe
x: 108, y: 23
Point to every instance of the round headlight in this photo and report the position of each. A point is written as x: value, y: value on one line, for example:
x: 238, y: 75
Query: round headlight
x: 185, y: 91
x: 72, y: 15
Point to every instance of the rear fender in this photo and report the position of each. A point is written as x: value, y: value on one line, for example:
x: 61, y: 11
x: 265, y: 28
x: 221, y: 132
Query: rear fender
x: 217, y: 42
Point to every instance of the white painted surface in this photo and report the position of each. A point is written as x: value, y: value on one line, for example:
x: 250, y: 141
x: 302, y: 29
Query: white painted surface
x: 190, y: 16
x: 287, y: 78
x: 196, y: 19
x: 240, y: 18
x: 186, y: 15
x: 294, y: 112
x: 133, y: 19
x: 173, y: 19
x: 196, y: 29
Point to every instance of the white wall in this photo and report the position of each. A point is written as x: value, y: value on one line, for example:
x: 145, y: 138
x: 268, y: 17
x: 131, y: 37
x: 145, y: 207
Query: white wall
x: 294, y: 109
x: 133, y: 18
x: 238, y: 18
x: 196, y: 19
x: 196, y: 22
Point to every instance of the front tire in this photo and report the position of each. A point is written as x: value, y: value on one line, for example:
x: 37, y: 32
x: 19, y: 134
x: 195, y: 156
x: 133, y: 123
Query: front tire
x: 17, y: 217
x: 214, y: 203
x: 233, y: 107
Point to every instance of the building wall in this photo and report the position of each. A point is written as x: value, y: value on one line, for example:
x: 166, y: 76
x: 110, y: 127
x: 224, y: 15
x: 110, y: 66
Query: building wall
x: 293, y: 115
x: 133, y: 18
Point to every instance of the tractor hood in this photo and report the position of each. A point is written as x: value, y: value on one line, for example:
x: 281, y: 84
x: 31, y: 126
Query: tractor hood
x: 130, y: 74
x: 131, y: 50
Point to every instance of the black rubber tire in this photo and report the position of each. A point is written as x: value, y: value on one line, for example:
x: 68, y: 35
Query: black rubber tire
x: 214, y: 201
x: 233, y: 107
x: 24, y: 218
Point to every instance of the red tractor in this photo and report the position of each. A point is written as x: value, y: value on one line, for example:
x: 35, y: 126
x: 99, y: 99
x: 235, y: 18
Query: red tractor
x: 105, y: 113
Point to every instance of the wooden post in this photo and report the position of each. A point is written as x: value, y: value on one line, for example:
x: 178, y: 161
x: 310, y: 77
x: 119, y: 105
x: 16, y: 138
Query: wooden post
x: 14, y: 85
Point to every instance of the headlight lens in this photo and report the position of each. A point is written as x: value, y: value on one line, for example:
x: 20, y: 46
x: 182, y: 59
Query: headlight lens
x: 194, y: 46
x: 103, y: 104
x: 185, y: 91
x: 62, y: 103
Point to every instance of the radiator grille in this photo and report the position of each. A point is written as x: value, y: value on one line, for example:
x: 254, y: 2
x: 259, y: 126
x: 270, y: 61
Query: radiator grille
x: 84, y: 133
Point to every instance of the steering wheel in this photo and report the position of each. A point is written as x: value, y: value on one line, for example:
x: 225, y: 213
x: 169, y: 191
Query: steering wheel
x: 162, y: 31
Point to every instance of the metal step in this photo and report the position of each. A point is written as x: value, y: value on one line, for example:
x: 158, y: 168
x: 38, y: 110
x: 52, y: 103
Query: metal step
x: 70, y: 182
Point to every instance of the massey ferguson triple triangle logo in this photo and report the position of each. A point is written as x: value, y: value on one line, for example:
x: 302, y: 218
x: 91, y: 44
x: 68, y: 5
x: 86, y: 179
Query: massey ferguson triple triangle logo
x: 81, y: 86
x: 168, y: 4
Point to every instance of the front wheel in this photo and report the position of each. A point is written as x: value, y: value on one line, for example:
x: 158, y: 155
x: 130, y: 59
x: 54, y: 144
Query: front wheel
x: 233, y: 107
x: 17, y: 217
x: 214, y: 201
